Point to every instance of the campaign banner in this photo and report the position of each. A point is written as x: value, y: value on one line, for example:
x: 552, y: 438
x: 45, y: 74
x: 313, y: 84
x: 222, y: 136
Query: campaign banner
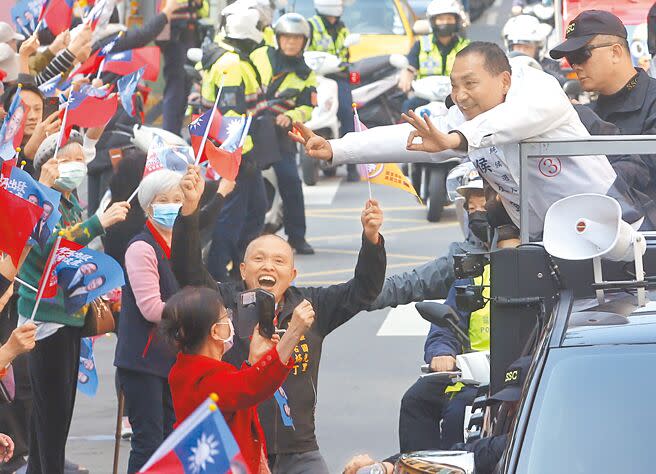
x: 25, y: 15
x: 84, y: 275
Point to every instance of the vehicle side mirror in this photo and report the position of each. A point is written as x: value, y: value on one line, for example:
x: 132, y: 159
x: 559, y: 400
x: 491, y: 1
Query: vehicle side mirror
x: 421, y: 27
x: 437, y: 313
x: 572, y: 88
x: 352, y: 40
x: 399, y: 61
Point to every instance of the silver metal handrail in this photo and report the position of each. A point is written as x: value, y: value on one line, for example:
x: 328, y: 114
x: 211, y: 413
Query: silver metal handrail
x: 593, y: 145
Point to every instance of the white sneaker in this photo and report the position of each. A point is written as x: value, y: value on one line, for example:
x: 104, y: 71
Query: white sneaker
x: 126, y: 429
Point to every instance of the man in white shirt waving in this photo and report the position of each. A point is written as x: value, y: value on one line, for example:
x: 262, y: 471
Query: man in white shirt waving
x: 495, y: 108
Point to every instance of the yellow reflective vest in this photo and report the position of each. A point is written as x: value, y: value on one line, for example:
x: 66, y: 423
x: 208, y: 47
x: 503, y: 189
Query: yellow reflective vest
x: 241, y: 89
x: 299, y: 107
x: 322, y: 41
x: 431, y: 62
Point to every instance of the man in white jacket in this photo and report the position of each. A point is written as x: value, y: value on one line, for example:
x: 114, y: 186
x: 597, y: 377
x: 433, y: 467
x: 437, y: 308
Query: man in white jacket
x: 494, y: 110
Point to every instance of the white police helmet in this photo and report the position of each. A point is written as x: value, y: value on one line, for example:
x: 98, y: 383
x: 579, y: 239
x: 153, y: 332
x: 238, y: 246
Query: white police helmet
x: 526, y: 29
x: 329, y: 7
x: 243, y: 24
x: 442, y: 7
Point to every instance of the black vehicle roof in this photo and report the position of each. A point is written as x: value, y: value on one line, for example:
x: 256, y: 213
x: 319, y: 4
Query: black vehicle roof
x: 619, y: 321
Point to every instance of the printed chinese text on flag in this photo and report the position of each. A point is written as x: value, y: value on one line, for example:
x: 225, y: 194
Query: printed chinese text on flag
x: 11, y: 133
x: 202, y: 443
x: 57, y: 15
x: 17, y: 220
x: 23, y: 185
x: 127, y: 62
x: 390, y: 174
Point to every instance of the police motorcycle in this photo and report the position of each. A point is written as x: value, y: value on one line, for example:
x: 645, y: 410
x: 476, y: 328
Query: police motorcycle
x: 374, y: 83
x: 429, y: 179
x: 324, y: 121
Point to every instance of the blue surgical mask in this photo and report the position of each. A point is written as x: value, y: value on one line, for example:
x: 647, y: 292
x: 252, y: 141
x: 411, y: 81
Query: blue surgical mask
x: 165, y: 214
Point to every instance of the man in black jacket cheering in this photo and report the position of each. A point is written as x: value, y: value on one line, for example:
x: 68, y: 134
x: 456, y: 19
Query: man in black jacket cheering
x: 288, y: 418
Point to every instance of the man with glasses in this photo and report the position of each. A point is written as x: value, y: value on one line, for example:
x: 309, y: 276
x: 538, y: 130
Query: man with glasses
x: 597, y: 49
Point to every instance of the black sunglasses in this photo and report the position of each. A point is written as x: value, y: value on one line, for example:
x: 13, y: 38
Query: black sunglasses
x: 580, y: 56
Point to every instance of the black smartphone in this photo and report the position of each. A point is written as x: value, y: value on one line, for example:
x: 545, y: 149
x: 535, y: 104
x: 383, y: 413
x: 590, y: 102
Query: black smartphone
x: 256, y: 307
x: 50, y: 106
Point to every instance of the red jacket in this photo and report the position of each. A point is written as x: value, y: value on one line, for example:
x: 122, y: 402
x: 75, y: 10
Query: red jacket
x: 194, y: 377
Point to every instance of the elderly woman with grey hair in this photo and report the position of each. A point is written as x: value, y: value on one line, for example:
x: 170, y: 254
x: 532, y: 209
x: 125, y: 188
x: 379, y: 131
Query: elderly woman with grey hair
x: 143, y: 359
x: 54, y: 361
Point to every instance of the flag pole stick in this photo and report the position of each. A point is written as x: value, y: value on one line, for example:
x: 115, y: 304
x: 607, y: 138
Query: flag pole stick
x: 207, y: 129
x: 46, y: 277
x: 26, y: 285
x: 117, y: 434
x: 62, y: 128
x: 359, y: 129
x: 136, y: 191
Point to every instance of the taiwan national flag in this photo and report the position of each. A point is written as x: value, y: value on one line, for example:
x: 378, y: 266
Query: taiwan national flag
x: 229, y: 132
x: 92, y: 64
x: 127, y: 62
x: 57, y: 15
x: 202, y: 443
x: 11, y: 132
x: 87, y: 110
x: 127, y: 86
x: 50, y: 87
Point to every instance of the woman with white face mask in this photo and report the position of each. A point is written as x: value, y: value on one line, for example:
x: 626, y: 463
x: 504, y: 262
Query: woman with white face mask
x: 142, y: 357
x: 198, y: 324
x: 54, y: 361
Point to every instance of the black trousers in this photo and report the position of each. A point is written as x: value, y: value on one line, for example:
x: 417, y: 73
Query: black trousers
x: 53, y: 364
x: 150, y: 410
x: 15, y: 417
x: 423, y: 407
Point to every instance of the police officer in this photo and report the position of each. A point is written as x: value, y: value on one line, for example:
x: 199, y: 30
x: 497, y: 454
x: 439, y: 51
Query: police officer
x: 242, y: 216
x: 525, y: 34
x: 266, y: 9
x: 434, y: 55
x: 289, y: 87
x: 328, y: 34
x: 597, y: 49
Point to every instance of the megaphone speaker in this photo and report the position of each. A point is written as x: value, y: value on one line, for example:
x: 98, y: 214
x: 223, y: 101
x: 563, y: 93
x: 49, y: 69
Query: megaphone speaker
x: 586, y: 226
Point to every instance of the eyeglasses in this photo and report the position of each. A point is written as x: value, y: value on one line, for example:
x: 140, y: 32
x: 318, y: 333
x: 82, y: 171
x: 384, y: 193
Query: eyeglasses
x: 580, y: 56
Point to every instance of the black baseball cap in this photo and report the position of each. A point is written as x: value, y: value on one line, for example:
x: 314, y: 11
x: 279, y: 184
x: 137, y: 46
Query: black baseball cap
x: 586, y: 26
x: 513, y: 381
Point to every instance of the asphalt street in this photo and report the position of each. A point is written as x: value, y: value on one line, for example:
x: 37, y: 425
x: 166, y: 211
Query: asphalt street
x: 369, y: 362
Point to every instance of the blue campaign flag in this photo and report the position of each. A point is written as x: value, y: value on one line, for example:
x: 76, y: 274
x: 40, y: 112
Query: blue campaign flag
x: 87, y: 376
x: 11, y: 132
x: 127, y: 86
x: 202, y: 443
x: 23, y: 185
x: 84, y: 275
x: 25, y: 14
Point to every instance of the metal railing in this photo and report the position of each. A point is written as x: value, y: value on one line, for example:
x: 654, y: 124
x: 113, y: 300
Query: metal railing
x: 593, y: 145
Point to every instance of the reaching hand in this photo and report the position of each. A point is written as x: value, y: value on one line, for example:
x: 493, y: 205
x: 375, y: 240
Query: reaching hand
x: 29, y: 46
x: 432, y: 139
x: 192, y: 185
x: 49, y: 173
x: 22, y: 339
x: 315, y: 146
x: 60, y: 42
x: 116, y: 213
x: 302, y: 317
x: 443, y: 363
x: 80, y: 46
x: 372, y: 219
x: 405, y: 80
x: 6, y: 448
x: 283, y: 121
x: 260, y: 345
x: 226, y: 187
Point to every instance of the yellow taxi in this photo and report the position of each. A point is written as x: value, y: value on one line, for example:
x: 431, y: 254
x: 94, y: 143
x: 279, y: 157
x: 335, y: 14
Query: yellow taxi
x: 385, y: 26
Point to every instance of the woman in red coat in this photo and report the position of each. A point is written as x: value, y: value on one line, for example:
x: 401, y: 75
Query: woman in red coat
x: 201, y: 327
